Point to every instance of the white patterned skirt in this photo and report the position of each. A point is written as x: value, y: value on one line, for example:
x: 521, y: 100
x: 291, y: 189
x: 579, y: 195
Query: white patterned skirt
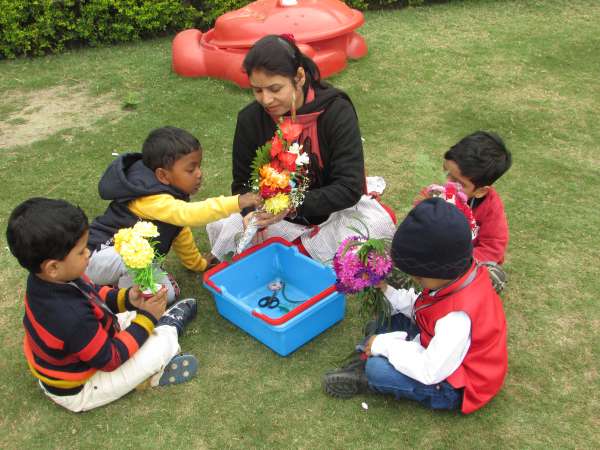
x: 320, y: 242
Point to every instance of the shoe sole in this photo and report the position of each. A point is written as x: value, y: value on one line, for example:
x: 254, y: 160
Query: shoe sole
x: 180, y: 369
x: 340, y: 386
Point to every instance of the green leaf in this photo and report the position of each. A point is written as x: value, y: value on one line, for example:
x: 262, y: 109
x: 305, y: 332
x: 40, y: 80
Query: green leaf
x: 263, y: 156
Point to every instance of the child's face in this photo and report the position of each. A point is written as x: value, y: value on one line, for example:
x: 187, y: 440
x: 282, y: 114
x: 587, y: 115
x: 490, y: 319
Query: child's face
x: 74, y: 264
x: 185, y: 175
x: 454, y: 174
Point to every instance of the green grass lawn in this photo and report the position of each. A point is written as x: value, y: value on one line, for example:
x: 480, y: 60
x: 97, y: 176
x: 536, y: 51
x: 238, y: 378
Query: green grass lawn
x: 526, y: 69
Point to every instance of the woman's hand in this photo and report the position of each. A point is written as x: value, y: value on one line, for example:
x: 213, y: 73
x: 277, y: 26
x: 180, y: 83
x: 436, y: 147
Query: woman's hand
x: 264, y: 219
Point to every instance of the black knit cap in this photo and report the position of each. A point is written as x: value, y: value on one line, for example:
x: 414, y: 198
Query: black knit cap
x: 433, y: 241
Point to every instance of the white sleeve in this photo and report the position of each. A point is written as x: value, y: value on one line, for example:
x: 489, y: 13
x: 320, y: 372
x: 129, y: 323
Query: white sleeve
x: 402, y: 300
x: 439, y: 360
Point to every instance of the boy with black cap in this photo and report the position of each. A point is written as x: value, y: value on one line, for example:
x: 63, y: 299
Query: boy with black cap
x: 446, y: 347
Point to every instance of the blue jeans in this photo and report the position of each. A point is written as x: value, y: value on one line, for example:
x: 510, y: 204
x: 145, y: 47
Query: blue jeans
x: 385, y: 379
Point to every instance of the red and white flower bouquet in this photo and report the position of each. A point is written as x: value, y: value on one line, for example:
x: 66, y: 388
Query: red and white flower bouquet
x: 279, y: 174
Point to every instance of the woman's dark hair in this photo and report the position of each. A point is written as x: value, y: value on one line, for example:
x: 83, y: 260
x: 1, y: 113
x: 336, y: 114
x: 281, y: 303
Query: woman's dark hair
x: 280, y: 56
x: 482, y: 157
x: 166, y: 145
x: 42, y: 228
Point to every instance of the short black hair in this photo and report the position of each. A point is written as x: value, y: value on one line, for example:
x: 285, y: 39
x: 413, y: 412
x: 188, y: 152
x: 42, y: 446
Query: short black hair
x: 166, y: 145
x: 279, y: 55
x: 482, y: 157
x: 42, y: 228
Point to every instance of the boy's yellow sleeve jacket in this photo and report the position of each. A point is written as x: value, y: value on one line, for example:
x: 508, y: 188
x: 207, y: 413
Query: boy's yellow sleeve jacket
x: 166, y: 208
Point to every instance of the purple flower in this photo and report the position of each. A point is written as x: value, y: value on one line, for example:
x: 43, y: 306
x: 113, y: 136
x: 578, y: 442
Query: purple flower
x: 353, y: 275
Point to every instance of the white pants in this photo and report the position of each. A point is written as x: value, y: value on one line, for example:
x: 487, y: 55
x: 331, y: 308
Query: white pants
x: 148, y: 362
x: 106, y: 267
x: 321, y: 245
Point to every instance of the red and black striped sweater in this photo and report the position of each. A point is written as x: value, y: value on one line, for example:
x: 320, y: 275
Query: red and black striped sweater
x: 71, y: 331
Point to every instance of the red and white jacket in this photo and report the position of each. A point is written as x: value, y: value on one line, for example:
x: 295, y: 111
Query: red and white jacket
x: 482, y: 371
x: 462, y: 339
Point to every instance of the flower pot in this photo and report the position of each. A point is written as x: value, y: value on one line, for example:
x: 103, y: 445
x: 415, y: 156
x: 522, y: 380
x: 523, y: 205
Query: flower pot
x: 147, y: 293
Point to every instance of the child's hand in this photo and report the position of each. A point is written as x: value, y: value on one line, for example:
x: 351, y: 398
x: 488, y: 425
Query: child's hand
x: 382, y: 285
x: 135, y: 296
x: 250, y: 199
x: 423, y: 195
x: 155, y: 305
x: 369, y: 344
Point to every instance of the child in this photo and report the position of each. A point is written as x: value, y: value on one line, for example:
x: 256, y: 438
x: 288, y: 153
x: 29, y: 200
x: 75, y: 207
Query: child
x: 476, y: 162
x: 452, y: 354
x: 82, y: 353
x: 156, y: 186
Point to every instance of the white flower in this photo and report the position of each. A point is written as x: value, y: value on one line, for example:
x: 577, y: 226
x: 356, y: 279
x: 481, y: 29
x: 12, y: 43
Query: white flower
x: 295, y: 148
x: 302, y: 159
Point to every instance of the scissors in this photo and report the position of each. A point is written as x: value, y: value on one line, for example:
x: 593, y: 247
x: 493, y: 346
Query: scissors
x: 270, y: 301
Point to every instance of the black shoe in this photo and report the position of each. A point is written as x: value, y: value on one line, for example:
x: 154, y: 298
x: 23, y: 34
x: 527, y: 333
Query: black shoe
x: 179, y: 314
x: 347, y: 381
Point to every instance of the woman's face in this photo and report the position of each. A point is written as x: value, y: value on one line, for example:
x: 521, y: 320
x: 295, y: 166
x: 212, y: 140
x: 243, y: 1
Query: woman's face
x: 276, y: 92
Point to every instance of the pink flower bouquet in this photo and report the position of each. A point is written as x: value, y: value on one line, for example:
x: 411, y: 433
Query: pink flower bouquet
x: 360, y: 264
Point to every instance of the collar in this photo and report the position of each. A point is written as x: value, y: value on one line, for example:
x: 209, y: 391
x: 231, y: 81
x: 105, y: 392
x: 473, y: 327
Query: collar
x: 457, y: 285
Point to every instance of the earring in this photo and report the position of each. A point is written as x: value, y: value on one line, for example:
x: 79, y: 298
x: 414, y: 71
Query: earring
x: 294, y: 105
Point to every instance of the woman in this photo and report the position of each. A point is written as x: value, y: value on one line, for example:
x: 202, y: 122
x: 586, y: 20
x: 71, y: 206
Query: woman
x: 286, y: 82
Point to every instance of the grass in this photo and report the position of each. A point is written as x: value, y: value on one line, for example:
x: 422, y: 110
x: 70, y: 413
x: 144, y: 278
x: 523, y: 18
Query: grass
x: 526, y: 69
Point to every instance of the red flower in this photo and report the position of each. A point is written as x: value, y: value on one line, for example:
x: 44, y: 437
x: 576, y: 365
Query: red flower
x: 291, y: 131
x: 288, y: 161
x: 268, y: 192
x: 451, y: 191
x: 276, y: 164
x: 276, y: 146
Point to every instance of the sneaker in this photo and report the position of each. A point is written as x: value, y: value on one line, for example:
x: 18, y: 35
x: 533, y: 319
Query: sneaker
x: 497, y: 276
x: 347, y: 381
x: 180, y: 369
x: 179, y: 314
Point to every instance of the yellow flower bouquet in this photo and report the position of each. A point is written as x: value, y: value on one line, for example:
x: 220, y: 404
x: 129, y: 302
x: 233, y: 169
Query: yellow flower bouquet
x: 137, y: 249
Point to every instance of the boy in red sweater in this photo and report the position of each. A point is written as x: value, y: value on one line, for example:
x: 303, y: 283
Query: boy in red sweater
x: 476, y: 162
x: 445, y: 347
x: 88, y: 345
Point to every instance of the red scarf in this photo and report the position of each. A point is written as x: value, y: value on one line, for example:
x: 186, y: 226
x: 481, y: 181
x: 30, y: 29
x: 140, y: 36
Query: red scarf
x: 309, y: 127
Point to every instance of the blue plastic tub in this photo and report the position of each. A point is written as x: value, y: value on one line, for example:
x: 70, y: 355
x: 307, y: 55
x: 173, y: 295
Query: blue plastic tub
x: 314, y: 303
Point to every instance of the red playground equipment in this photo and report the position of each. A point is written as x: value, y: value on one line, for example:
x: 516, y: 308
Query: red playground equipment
x: 323, y: 29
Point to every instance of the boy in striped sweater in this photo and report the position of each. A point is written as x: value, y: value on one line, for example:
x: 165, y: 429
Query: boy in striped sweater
x: 89, y: 345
